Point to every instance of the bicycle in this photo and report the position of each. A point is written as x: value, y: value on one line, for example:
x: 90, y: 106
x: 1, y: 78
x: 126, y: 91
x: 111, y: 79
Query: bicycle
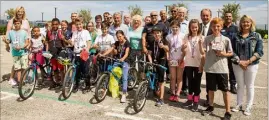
x: 31, y: 79
x: 103, y: 81
x: 146, y: 85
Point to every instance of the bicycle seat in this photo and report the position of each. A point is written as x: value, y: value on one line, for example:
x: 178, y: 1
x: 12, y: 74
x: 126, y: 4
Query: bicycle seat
x: 47, y: 55
x: 64, y: 61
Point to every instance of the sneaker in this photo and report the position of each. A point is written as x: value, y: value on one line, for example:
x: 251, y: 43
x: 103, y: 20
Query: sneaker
x: 171, y: 98
x: 123, y: 98
x: 176, y: 98
x: 227, y: 116
x: 159, y: 103
x: 208, y: 110
x: 237, y: 108
x: 184, y: 92
x: 247, y: 111
x: 195, y: 107
x: 188, y: 103
x: 13, y: 82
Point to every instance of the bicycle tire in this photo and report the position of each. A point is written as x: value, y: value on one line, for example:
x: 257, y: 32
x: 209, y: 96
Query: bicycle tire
x: 143, y: 85
x: 94, y: 68
x: 66, y: 80
x: 132, y: 74
x: 102, y: 80
x: 22, y: 83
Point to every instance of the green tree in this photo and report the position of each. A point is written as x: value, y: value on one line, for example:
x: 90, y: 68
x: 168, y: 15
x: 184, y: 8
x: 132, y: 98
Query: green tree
x: 233, y: 8
x: 86, y: 15
x: 135, y: 10
x: 10, y: 12
x: 179, y: 5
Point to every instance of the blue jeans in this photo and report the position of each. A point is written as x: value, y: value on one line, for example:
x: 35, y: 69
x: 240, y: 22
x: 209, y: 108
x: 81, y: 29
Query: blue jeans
x: 125, y: 69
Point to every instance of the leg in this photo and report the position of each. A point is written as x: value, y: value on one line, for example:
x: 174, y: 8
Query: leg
x: 190, y: 77
x: 232, y: 79
x: 125, y: 77
x: 173, y: 80
x: 226, y: 98
x: 250, y: 76
x: 179, y: 79
x: 239, y: 75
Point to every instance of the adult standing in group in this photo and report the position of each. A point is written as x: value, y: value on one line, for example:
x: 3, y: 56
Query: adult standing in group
x: 118, y: 25
x: 93, y: 34
x: 147, y: 35
x: 206, y: 15
x: 110, y: 20
x: 230, y: 30
x: 98, y: 21
x: 127, y: 20
x: 105, y: 16
x: 72, y: 25
x: 20, y: 15
x: 147, y: 20
x: 248, y: 50
x: 174, y: 15
x: 135, y: 37
x: 164, y: 20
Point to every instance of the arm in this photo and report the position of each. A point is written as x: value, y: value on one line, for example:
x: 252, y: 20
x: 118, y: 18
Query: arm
x: 126, y: 54
x: 9, y: 26
x: 258, y: 52
x: 89, y: 45
x: 109, y: 51
x: 28, y: 29
x: 144, y: 47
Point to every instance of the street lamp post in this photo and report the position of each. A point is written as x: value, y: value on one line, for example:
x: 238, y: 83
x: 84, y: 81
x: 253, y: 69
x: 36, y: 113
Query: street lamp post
x: 219, y: 11
x: 121, y: 15
x: 42, y: 16
x: 166, y: 9
x: 55, y: 11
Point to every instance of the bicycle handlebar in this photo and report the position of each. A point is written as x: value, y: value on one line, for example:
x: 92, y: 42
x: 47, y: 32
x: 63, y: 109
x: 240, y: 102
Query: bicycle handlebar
x: 118, y: 60
x: 158, y: 65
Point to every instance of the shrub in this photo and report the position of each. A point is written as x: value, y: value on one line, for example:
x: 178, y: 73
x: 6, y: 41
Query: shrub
x: 3, y: 30
x: 262, y: 32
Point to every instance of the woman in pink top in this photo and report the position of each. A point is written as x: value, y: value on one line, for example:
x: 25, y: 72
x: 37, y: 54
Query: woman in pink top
x: 194, y: 63
x: 19, y: 15
x: 175, y: 58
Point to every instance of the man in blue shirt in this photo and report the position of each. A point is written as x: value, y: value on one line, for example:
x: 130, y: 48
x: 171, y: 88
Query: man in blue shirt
x: 230, y: 30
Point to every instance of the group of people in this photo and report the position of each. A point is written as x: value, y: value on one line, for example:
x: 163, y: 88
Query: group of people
x: 220, y: 48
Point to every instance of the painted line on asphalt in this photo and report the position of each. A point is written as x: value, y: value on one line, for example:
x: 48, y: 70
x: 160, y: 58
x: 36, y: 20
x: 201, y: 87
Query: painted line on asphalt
x: 6, y: 97
x: 124, y: 116
x: 264, y: 63
x: 11, y: 95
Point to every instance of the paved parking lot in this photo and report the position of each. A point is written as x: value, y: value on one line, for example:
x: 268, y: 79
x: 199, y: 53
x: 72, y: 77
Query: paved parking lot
x: 47, y: 105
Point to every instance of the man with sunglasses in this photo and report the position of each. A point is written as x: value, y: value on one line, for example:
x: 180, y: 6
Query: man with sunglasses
x: 147, y: 35
x: 110, y: 20
x: 174, y: 16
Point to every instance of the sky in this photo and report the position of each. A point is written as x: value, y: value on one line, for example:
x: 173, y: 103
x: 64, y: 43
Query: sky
x: 256, y: 9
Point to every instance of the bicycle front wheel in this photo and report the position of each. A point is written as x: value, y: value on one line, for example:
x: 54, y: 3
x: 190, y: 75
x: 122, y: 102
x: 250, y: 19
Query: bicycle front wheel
x: 68, y: 82
x: 132, y: 78
x: 101, y: 87
x: 27, y: 83
x: 140, y: 96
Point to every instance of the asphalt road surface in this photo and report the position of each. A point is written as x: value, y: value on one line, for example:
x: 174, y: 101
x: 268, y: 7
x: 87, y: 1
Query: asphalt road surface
x: 45, y: 104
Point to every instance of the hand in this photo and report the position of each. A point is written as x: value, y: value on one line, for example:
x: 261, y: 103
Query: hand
x: 145, y: 50
x: 7, y: 48
x: 180, y: 62
x: 220, y: 53
x: 3, y: 38
x: 184, y: 46
x: 200, y: 40
x: 243, y: 64
x: 17, y: 48
x: 161, y: 45
x: 121, y: 60
x: 201, y: 69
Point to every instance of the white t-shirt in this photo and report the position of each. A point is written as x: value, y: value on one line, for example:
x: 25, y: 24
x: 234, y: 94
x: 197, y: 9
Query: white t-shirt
x: 193, y: 56
x: 175, y: 44
x: 105, y: 42
x: 37, y: 44
x: 80, y: 39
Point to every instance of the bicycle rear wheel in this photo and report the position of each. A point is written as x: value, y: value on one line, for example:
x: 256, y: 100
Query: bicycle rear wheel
x: 94, y: 73
x: 27, y: 83
x: 68, y: 82
x: 140, y: 96
x: 101, y: 87
x: 132, y: 78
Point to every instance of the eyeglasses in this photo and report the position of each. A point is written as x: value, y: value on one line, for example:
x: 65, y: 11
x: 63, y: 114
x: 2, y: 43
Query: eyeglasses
x: 153, y: 15
x: 173, y: 11
x: 109, y: 17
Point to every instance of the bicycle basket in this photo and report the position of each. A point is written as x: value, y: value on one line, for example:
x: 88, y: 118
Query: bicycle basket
x: 64, y: 61
x: 47, y: 55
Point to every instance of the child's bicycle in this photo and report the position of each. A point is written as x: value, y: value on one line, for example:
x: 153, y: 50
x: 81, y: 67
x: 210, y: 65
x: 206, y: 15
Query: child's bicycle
x: 103, y: 81
x: 146, y: 85
x: 29, y: 77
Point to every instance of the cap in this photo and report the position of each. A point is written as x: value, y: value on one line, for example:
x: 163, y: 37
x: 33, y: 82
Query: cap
x: 156, y: 28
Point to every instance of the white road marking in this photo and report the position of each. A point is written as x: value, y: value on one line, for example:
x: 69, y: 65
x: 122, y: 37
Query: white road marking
x: 159, y: 116
x: 102, y: 106
x: 6, y: 97
x: 124, y: 116
x: 117, y: 109
x: 264, y: 63
x: 175, y: 118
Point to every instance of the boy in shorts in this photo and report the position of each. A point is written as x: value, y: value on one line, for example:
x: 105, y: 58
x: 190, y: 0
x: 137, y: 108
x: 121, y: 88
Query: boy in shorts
x: 217, y: 49
x: 19, y: 42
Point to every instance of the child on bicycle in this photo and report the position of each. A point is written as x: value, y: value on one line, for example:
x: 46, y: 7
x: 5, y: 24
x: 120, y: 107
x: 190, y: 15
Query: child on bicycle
x: 158, y: 56
x: 194, y: 64
x: 19, y: 42
x: 36, y: 46
x: 121, y: 50
x: 81, y: 40
x: 175, y: 60
x: 54, y: 44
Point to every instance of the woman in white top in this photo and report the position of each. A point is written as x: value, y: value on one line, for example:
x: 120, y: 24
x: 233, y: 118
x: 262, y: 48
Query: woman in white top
x: 19, y: 15
x: 175, y: 58
x: 193, y: 64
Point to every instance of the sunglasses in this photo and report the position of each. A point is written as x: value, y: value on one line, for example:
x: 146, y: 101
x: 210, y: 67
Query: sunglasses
x: 173, y: 11
x: 153, y: 15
